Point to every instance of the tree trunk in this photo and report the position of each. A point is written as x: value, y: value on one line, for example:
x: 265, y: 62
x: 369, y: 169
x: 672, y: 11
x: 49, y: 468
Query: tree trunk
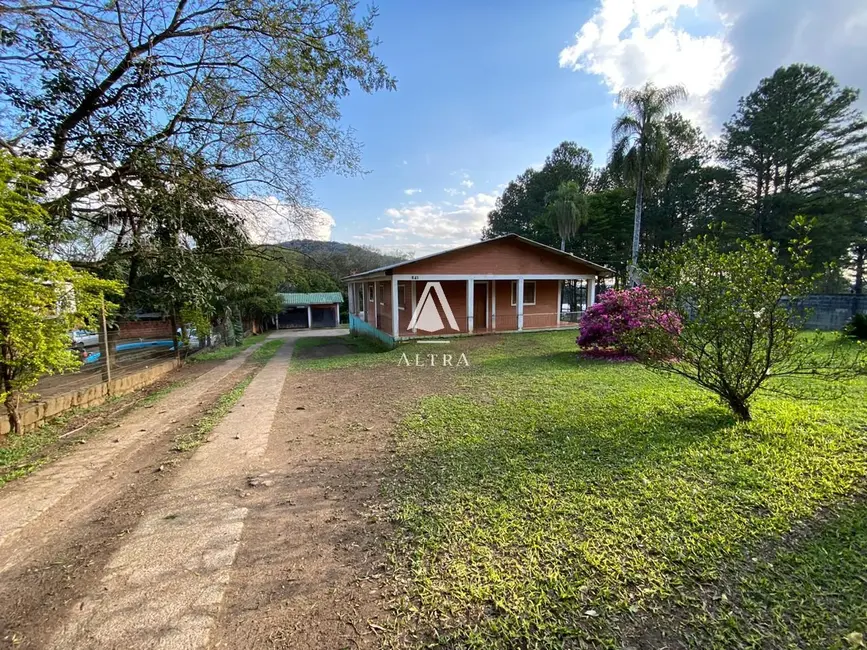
x: 636, y: 230
x: 11, y: 403
x: 740, y: 409
x: 562, y: 244
x: 860, y: 252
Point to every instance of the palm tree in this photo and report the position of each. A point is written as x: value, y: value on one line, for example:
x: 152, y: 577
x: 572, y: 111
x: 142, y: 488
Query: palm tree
x: 566, y: 211
x: 640, y: 153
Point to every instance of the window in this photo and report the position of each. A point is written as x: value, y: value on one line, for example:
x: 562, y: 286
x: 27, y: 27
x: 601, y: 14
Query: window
x: 381, y: 290
x: 401, y: 296
x: 529, y: 292
x: 370, y: 292
x: 360, y: 306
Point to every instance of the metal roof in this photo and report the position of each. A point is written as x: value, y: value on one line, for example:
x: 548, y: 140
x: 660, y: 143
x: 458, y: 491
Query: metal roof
x: 602, y: 270
x: 301, y: 299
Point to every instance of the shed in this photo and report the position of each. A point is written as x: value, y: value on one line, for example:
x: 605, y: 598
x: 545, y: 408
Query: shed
x: 310, y: 310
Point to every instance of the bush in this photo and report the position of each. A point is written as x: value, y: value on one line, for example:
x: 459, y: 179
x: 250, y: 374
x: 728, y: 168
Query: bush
x: 857, y: 327
x: 605, y: 326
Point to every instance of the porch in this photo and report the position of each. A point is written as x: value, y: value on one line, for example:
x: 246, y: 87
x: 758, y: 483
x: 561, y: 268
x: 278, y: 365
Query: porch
x: 437, y: 305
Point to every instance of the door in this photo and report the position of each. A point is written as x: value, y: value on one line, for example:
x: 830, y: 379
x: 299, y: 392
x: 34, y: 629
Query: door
x: 480, y: 306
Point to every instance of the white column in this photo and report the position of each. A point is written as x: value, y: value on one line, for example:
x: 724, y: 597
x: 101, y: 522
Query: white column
x: 493, y: 304
x: 309, y: 317
x: 520, y: 300
x: 591, y: 292
x: 375, y: 304
x: 351, y: 296
x: 337, y: 313
x: 559, y: 301
x: 412, y: 288
x: 395, y: 317
x: 471, y: 287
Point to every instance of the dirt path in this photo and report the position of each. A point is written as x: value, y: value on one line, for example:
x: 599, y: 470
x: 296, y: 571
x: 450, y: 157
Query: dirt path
x: 271, y: 535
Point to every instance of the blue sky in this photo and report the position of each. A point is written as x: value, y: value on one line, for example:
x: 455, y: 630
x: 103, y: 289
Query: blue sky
x: 489, y: 88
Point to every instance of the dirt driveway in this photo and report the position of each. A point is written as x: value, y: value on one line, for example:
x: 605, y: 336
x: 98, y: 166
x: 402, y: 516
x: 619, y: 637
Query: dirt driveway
x: 268, y: 535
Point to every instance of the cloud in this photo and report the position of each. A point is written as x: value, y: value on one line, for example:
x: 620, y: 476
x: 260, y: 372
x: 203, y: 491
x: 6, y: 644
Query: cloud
x: 630, y: 42
x: 270, y: 221
x: 412, y: 190
x: 431, y: 227
x: 718, y: 49
x: 467, y: 183
x: 766, y: 34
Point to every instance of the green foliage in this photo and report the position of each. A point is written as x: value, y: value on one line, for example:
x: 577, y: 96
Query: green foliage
x: 742, y: 328
x: 566, y: 211
x: 857, y: 327
x: 522, y: 203
x: 794, y: 142
x: 565, y: 502
x: 227, y: 351
x: 41, y: 299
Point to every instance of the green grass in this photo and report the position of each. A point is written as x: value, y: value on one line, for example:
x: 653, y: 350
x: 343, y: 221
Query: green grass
x: 211, y: 417
x: 267, y: 351
x: 564, y: 503
x: 360, y: 351
x: 227, y: 351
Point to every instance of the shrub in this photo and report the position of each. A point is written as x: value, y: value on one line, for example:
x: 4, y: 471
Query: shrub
x: 605, y: 326
x: 857, y: 327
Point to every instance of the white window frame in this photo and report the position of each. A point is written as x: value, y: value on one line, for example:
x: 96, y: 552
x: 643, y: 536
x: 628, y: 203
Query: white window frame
x: 371, y: 292
x: 401, y: 295
x: 527, y: 283
x: 381, y: 290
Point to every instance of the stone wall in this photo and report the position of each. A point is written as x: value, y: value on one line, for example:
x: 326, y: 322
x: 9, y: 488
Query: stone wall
x: 831, y: 312
x: 36, y: 413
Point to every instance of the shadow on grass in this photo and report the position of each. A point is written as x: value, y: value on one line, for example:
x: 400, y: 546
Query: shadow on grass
x: 522, y: 514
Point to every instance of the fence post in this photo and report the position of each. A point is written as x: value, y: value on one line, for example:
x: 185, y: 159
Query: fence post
x: 105, y: 348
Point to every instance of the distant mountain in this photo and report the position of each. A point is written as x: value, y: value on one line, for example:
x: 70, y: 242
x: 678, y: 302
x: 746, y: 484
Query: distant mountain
x: 343, y: 259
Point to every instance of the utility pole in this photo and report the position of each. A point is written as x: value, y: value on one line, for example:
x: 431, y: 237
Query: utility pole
x: 104, y: 348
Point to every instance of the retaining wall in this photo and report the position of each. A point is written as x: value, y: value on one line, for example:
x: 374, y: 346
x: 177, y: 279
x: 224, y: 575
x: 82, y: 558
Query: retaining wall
x: 36, y: 413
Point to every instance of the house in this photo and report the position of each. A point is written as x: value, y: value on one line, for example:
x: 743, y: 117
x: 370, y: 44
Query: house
x: 309, y: 310
x: 506, y: 284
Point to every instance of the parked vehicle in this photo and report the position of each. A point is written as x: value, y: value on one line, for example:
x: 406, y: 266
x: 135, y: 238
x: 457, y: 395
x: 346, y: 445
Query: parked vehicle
x: 85, y: 338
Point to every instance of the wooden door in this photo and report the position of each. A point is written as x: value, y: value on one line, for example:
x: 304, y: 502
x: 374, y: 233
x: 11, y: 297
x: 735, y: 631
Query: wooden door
x: 480, y: 305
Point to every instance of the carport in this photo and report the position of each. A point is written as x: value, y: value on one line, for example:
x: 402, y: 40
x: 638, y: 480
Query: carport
x: 309, y: 310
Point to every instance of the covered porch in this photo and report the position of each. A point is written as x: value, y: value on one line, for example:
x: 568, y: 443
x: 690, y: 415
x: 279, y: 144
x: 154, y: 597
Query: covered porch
x: 405, y: 306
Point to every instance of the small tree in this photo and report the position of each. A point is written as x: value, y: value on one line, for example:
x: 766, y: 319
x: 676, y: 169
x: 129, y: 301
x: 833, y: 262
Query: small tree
x: 742, y: 328
x: 41, y: 299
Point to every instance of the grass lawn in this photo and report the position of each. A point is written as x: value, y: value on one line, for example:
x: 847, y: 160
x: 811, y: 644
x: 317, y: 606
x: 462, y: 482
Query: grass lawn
x: 558, y: 503
x: 227, y: 351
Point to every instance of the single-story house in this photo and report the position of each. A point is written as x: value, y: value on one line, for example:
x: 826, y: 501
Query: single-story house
x: 310, y: 310
x: 505, y: 284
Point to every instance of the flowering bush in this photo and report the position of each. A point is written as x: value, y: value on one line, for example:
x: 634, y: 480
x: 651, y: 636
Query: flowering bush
x: 607, y: 325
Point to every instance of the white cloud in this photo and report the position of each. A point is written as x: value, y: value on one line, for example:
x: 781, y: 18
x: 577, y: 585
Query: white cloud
x: 467, y: 183
x: 431, y: 227
x: 270, y: 221
x: 630, y: 42
x: 412, y: 190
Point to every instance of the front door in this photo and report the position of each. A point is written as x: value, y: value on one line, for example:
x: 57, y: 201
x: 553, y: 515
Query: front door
x: 480, y: 305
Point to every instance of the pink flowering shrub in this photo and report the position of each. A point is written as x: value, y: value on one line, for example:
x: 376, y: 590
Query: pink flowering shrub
x: 607, y: 325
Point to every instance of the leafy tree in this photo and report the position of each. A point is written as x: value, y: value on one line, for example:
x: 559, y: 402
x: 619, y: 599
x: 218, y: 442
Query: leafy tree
x: 520, y: 207
x: 41, y: 299
x: 794, y: 143
x: 742, y: 330
x: 566, y: 211
x: 252, y: 89
x: 641, y: 152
